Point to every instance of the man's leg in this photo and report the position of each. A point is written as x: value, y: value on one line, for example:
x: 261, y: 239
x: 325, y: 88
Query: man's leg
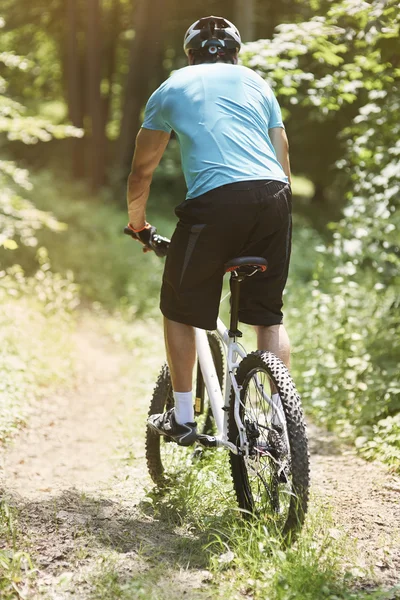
x: 178, y: 422
x: 274, y: 339
x: 181, y: 355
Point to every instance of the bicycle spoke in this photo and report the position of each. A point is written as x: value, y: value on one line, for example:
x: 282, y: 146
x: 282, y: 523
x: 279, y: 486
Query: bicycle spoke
x: 268, y: 470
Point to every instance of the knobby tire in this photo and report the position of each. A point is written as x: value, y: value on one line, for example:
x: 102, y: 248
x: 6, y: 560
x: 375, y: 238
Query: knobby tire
x: 260, y: 488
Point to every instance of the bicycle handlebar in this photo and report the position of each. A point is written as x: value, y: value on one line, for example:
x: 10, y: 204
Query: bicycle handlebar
x: 159, y: 244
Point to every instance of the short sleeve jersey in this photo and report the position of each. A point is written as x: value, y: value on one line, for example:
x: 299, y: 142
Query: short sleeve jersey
x: 221, y: 114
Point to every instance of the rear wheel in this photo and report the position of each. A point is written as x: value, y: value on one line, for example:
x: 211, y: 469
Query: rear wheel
x: 273, y: 480
x: 164, y: 457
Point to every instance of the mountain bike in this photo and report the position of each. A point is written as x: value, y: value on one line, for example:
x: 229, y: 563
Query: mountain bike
x: 264, y: 432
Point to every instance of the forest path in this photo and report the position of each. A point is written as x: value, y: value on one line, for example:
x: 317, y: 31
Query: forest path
x: 80, y: 488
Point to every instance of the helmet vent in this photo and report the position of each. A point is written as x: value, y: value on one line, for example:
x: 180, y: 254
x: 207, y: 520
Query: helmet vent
x: 215, y: 30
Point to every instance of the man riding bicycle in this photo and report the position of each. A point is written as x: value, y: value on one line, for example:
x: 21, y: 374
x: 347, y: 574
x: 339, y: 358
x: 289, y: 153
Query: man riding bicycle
x: 235, y: 161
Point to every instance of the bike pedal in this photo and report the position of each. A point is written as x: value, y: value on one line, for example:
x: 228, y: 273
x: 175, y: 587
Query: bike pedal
x: 208, y: 441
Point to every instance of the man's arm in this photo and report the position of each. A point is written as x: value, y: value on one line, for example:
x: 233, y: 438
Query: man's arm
x: 150, y: 146
x: 280, y: 143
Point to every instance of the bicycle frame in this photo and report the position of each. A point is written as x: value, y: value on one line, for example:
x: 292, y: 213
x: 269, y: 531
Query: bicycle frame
x: 220, y: 403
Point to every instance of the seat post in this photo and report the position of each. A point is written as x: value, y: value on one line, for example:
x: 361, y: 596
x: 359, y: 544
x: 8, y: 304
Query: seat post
x: 234, y: 284
x: 239, y: 268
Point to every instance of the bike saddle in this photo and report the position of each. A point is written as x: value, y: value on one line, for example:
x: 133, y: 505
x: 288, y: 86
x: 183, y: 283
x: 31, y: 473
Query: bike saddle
x: 246, y: 265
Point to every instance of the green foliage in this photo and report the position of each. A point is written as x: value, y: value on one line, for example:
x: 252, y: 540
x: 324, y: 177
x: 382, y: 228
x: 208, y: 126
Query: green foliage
x: 328, y: 61
x: 382, y: 441
x: 18, y: 217
x: 28, y: 28
x: 15, y: 120
x: 16, y: 568
x: 109, y: 267
x: 324, y: 71
x: 346, y: 348
x: 344, y: 366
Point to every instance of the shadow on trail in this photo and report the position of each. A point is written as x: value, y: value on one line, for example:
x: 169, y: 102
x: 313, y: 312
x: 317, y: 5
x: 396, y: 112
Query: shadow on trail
x: 59, y: 525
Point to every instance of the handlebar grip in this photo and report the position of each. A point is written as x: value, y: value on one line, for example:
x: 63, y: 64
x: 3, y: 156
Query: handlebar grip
x: 158, y: 244
x: 129, y: 231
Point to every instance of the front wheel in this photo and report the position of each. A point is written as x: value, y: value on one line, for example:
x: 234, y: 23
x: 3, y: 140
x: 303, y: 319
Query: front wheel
x: 272, y: 481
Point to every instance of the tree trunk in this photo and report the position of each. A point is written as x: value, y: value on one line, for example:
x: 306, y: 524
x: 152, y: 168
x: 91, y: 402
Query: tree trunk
x: 244, y: 19
x: 74, y: 89
x: 113, y: 19
x: 145, y: 49
x: 97, y: 141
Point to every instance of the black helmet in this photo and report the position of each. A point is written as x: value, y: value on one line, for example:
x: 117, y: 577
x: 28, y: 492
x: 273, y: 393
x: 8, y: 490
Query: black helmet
x: 212, y: 34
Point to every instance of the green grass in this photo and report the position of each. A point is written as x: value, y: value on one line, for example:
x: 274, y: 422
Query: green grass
x: 243, y: 556
x: 152, y: 585
x: 16, y: 569
x: 109, y: 267
x: 245, y: 560
x: 35, y: 340
x: 203, y: 530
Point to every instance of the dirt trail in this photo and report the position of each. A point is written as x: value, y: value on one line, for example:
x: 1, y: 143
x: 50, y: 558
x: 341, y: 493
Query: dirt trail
x: 366, y: 502
x: 77, y: 477
x: 70, y: 436
x: 79, y: 500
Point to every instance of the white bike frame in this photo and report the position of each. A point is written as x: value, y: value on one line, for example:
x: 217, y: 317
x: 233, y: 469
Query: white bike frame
x: 220, y: 403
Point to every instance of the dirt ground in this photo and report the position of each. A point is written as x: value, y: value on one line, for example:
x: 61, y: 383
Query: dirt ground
x: 78, y: 498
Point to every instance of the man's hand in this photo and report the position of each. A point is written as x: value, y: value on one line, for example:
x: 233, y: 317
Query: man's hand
x: 144, y: 235
x: 148, y: 236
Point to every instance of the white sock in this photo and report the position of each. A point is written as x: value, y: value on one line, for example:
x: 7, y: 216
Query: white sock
x: 184, y: 411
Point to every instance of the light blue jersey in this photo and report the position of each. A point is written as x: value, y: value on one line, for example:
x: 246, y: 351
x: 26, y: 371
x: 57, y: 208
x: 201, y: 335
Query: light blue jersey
x: 221, y: 114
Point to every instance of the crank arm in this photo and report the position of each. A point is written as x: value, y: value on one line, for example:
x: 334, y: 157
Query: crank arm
x: 210, y: 441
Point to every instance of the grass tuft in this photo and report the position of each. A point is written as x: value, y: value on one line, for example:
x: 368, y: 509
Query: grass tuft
x: 35, y: 344
x: 243, y: 556
x: 16, y: 569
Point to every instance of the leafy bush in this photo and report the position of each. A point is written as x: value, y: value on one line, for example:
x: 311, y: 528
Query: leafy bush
x: 344, y: 366
x: 109, y: 267
x: 382, y: 441
x: 19, y: 219
x: 346, y: 348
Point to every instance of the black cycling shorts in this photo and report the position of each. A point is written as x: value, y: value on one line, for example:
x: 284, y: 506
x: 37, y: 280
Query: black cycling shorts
x: 249, y: 218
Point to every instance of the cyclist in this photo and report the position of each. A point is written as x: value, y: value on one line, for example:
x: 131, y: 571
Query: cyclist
x: 236, y: 165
